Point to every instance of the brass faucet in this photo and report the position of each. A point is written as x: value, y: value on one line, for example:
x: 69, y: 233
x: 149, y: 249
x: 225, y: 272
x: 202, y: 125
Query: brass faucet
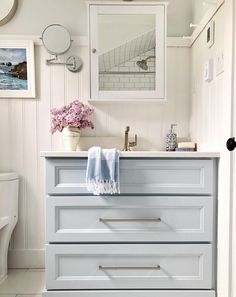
x: 128, y: 144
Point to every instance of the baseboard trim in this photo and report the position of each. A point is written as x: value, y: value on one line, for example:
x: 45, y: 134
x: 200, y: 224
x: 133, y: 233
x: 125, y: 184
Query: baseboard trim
x: 26, y: 258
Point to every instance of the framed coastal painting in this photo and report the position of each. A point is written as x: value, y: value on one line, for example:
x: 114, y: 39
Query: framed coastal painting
x: 17, y: 69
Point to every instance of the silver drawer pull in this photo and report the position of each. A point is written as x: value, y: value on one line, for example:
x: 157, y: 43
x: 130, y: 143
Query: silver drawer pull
x: 158, y: 267
x: 157, y: 220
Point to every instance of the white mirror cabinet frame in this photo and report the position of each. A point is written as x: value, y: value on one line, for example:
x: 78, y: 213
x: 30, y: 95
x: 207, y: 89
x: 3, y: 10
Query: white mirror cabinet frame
x: 159, y: 9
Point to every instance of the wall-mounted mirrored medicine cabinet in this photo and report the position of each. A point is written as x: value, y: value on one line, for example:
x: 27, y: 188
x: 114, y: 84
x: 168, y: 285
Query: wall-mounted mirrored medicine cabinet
x: 127, y: 50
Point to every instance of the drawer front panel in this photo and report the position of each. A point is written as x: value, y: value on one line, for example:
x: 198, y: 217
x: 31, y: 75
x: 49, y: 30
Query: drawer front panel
x: 133, y: 293
x: 116, y: 266
x: 129, y: 219
x: 138, y: 176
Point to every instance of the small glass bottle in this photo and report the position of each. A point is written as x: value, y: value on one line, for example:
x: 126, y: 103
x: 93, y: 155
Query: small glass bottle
x: 171, y: 139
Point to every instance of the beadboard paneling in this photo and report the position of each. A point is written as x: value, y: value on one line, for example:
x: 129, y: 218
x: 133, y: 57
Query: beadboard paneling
x: 211, y: 124
x: 25, y: 125
x: 4, y: 147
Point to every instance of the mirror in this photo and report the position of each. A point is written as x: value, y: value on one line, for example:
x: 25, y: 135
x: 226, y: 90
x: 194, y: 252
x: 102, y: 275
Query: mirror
x: 127, y: 52
x: 57, y: 41
x: 127, y: 62
x: 7, y: 10
x: 128, y: 44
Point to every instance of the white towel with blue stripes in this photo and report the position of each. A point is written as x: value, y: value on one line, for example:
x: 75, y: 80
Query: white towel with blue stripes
x: 102, y: 176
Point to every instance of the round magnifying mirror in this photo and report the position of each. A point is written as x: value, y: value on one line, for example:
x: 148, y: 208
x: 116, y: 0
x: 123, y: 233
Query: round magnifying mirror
x: 7, y: 10
x: 56, y: 39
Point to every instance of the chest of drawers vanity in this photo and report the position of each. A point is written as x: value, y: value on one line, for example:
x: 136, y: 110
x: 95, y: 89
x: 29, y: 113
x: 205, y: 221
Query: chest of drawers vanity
x: 157, y: 238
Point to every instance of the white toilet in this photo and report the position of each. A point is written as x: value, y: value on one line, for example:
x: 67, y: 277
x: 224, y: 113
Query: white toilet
x: 9, y: 183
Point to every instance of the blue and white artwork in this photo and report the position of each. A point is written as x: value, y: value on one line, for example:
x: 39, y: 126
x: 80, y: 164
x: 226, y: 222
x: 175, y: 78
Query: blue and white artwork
x: 13, y: 69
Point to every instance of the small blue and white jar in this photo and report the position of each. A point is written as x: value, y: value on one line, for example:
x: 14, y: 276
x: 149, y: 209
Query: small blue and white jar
x: 171, y: 139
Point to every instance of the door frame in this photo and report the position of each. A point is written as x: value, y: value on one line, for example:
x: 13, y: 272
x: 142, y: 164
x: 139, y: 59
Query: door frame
x: 232, y: 251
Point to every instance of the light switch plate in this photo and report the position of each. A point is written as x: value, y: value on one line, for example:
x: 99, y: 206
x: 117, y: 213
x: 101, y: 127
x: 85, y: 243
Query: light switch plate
x: 208, y: 70
x: 219, y: 62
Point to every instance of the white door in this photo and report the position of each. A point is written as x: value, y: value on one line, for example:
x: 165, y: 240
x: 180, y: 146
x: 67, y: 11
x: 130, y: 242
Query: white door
x: 231, y: 144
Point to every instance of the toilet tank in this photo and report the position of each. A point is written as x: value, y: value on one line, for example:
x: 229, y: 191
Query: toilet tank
x: 9, y: 185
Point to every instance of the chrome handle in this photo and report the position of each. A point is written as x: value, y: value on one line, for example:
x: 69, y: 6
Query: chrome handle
x: 156, y: 220
x: 158, y: 267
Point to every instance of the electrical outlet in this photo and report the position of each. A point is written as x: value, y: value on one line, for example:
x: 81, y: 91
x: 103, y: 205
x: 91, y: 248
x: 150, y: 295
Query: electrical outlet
x: 219, y: 62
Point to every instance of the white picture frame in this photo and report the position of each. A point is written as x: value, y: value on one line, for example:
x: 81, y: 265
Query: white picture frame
x: 17, y: 69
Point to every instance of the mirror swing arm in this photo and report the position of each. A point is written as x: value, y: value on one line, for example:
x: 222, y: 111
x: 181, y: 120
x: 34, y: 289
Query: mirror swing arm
x: 73, y: 63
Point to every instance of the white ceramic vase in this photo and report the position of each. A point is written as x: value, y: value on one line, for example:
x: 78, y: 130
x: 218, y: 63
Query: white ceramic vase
x: 70, y: 136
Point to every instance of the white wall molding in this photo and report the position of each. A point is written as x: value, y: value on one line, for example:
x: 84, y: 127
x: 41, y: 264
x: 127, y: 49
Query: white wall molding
x: 82, y: 41
x: 77, y: 40
x: 26, y: 258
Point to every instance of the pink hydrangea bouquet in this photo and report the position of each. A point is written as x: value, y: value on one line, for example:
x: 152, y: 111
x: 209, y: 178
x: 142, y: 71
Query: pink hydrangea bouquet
x: 74, y: 115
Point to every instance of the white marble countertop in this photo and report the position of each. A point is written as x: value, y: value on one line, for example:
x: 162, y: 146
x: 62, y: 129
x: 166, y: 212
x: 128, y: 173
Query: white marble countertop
x: 134, y: 154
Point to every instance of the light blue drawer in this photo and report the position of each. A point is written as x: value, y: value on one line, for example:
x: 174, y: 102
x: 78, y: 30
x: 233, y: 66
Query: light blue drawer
x: 129, y: 219
x: 66, y: 176
x: 126, y: 266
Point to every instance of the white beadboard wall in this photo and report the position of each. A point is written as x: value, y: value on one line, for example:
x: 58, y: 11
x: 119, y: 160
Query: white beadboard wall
x: 210, y: 102
x: 211, y: 123
x: 25, y: 125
